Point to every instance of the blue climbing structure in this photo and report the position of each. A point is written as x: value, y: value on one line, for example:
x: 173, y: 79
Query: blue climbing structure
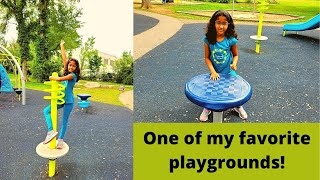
x: 5, y: 83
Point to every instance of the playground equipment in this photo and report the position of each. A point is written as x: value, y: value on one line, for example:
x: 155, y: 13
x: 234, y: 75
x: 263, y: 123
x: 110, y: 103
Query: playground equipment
x: 258, y: 38
x: 5, y: 88
x: 225, y: 93
x: 313, y: 23
x: 49, y: 151
x: 19, y: 89
x: 83, y: 100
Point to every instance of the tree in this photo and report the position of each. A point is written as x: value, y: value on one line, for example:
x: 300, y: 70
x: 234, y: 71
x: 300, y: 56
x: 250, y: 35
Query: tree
x: 95, y: 62
x: 37, y: 21
x: 56, y: 21
x: 89, y: 57
x: 146, y: 4
x: 42, y: 54
x: 63, y: 24
x: 85, y: 52
x: 123, y: 69
x: 22, y: 12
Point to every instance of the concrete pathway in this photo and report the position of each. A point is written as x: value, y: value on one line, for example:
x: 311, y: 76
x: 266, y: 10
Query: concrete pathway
x: 158, y: 31
x: 127, y: 99
x: 151, y: 38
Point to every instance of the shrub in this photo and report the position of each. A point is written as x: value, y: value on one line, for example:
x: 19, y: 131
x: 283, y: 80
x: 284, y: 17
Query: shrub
x: 123, y: 69
x: 42, y: 71
x: 106, y: 77
x: 125, y: 76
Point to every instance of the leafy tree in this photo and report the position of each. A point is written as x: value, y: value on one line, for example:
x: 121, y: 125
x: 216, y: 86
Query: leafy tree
x: 85, y: 52
x: 40, y: 66
x: 57, y: 21
x: 89, y: 57
x: 95, y: 62
x: 63, y: 24
x: 123, y: 69
x: 45, y: 22
x: 22, y: 12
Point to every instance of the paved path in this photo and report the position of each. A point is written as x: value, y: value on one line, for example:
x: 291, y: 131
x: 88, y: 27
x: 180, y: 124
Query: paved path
x: 150, y: 30
x: 284, y: 77
x: 127, y: 99
x: 100, y: 142
x: 148, y: 40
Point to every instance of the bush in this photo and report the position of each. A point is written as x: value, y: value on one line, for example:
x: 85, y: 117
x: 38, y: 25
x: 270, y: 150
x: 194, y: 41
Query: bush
x: 128, y: 79
x: 224, y: 1
x: 272, y: 1
x: 89, y: 77
x: 106, y: 77
x: 123, y: 69
x: 41, y: 72
x: 244, y: 1
x: 125, y: 76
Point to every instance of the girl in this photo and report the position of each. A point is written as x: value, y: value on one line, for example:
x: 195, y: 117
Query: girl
x: 221, y: 52
x: 71, y: 76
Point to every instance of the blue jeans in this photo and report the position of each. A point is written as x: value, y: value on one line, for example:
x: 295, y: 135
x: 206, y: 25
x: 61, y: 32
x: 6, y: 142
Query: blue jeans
x: 65, y: 117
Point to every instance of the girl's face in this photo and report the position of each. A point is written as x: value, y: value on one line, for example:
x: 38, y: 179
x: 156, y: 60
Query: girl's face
x: 221, y: 25
x: 72, y: 66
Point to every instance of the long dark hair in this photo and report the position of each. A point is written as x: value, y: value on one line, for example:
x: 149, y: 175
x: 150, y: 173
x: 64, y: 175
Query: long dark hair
x: 77, y: 71
x: 211, y: 33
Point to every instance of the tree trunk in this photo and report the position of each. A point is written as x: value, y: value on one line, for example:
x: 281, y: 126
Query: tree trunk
x: 42, y: 49
x: 24, y: 69
x: 18, y: 10
x: 23, y: 41
x: 146, y: 4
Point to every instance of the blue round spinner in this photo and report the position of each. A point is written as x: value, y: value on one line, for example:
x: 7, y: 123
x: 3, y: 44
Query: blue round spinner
x: 227, y: 92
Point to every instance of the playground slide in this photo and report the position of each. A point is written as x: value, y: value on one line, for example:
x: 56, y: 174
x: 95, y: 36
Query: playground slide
x: 310, y: 24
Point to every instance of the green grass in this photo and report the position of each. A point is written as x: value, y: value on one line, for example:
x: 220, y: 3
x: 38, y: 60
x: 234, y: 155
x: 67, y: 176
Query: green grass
x: 306, y: 8
x: 108, y: 93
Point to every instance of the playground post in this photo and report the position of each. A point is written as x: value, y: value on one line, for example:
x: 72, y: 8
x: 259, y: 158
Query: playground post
x: 43, y: 150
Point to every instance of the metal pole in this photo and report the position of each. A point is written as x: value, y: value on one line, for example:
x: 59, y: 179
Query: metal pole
x: 55, y: 96
x: 54, y: 114
x: 217, y: 117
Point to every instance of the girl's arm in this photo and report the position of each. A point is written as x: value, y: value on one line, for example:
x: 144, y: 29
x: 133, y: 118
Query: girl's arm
x: 214, y: 75
x: 63, y: 78
x: 63, y: 53
x: 234, y: 50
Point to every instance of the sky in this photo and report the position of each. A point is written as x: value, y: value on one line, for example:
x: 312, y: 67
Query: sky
x: 110, y: 21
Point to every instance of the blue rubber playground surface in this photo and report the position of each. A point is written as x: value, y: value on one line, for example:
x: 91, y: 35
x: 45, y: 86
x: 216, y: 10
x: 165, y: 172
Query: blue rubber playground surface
x: 284, y: 77
x: 143, y: 23
x: 100, y: 141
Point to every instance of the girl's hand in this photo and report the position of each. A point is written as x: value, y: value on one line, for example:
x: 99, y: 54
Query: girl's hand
x: 54, y: 78
x: 233, y: 66
x: 214, y: 76
x: 61, y: 42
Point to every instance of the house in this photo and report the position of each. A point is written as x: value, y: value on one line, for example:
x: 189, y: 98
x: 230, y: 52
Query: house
x: 107, y: 61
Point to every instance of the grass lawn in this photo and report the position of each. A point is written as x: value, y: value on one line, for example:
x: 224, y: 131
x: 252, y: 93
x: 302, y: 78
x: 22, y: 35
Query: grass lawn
x: 306, y: 8
x: 108, y: 92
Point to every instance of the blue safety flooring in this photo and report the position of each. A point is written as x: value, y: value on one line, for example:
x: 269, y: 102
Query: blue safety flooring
x: 284, y: 77
x: 100, y: 141
x: 143, y: 23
